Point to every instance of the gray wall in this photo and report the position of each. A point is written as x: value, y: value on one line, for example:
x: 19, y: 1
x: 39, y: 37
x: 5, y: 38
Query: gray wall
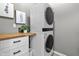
x: 6, y: 25
x: 67, y: 28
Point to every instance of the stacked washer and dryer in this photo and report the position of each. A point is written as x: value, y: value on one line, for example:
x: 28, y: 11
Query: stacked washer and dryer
x: 42, y: 22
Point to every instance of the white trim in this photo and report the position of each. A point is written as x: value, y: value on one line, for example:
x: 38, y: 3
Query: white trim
x: 59, y: 54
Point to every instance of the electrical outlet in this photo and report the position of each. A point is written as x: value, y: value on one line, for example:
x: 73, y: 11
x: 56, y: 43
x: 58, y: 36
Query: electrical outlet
x: 14, y: 25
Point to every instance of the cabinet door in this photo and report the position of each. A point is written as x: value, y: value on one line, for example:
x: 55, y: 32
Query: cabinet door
x: 13, y: 43
x: 16, y: 51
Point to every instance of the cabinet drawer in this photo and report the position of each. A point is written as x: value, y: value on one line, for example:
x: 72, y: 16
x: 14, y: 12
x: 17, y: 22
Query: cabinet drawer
x: 15, y: 52
x: 12, y: 43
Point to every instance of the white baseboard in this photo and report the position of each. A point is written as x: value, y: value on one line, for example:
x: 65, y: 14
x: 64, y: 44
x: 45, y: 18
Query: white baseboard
x: 59, y: 54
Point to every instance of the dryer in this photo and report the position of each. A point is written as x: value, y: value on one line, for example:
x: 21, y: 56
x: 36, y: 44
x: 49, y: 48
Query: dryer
x: 42, y: 16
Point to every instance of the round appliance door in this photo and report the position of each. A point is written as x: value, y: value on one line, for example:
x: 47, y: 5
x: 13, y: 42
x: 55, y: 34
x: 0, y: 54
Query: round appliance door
x: 49, y: 15
x: 49, y: 43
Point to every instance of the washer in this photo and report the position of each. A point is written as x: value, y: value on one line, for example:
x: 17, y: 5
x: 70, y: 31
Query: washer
x: 48, y: 43
x: 43, y: 44
x: 41, y: 22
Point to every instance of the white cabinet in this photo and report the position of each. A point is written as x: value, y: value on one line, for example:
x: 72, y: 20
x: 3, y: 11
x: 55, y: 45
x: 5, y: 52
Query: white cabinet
x: 15, y: 46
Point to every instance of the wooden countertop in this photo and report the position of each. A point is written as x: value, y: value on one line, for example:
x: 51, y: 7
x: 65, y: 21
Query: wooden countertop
x: 15, y: 35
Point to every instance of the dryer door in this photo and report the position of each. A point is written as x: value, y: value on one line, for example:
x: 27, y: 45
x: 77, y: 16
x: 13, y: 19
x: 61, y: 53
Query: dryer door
x: 49, y: 16
x: 49, y: 43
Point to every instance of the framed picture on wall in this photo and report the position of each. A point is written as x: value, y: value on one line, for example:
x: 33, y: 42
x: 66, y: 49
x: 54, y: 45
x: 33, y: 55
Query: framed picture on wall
x: 7, y: 10
x: 20, y: 17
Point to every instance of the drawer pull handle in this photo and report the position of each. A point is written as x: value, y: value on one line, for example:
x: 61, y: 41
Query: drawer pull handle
x: 16, y: 41
x: 17, y: 52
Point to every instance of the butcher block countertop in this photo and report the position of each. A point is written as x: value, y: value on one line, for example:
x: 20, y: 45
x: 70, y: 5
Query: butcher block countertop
x: 15, y: 35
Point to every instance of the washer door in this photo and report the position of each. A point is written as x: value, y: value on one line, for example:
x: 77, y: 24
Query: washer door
x: 49, y: 43
x: 49, y: 16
